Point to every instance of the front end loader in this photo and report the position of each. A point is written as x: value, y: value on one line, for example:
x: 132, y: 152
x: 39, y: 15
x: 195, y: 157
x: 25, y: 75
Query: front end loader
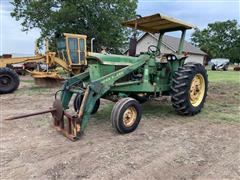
x: 130, y: 81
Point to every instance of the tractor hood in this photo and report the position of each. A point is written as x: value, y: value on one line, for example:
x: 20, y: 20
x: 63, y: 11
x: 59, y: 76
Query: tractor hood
x: 110, y: 59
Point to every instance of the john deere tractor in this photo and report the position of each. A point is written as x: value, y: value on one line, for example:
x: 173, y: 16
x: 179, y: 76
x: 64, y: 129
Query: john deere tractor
x: 130, y: 81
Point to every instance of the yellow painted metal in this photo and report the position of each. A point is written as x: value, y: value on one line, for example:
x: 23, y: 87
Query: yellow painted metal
x: 5, y: 61
x: 51, y: 59
x: 68, y: 50
x: 78, y: 37
x: 129, y: 116
x: 156, y: 23
x: 68, y: 35
x: 50, y: 74
x: 36, y: 52
x: 197, y: 90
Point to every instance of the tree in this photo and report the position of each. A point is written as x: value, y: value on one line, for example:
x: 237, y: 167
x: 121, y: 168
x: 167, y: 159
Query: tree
x: 219, y: 40
x: 94, y: 18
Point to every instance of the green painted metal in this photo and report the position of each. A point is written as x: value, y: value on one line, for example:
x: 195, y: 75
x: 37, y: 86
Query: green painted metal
x: 103, y: 79
x: 67, y: 91
x: 108, y: 59
x: 121, y: 76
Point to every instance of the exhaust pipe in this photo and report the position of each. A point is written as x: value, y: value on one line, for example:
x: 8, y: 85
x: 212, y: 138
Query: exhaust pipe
x: 133, y: 40
x: 92, y: 44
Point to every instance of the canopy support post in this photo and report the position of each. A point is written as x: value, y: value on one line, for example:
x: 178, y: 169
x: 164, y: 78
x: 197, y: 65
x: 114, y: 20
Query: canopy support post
x: 181, y: 43
x: 160, y: 40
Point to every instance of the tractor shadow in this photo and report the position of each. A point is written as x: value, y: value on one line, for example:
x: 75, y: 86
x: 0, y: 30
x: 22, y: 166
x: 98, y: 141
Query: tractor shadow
x: 150, y: 109
x: 157, y: 109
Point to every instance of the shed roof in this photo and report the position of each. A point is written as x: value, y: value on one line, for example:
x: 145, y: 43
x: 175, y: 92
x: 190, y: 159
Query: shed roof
x: 156, y: 23
x: 173, y: 42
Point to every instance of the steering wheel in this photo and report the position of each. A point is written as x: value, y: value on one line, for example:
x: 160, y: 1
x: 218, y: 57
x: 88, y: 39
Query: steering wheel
x: 154, y: 50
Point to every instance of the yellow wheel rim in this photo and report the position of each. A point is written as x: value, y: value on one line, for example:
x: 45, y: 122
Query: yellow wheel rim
x: 129, y: 116
x: 197, y: 90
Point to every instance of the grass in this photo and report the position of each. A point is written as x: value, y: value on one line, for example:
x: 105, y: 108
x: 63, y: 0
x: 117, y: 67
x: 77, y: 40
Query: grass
x: 222, y: 104
x: 224, y: 77
x: 223, y: 101
x: 30, y: 88
x: 221, y: 112
x: 27, y: 81
x: 35, y: 91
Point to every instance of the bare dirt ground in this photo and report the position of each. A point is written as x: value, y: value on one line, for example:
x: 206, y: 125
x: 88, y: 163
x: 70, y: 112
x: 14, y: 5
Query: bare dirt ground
x: 164, y: 146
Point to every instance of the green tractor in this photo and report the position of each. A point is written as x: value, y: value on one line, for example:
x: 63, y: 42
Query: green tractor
x: 130, y: 81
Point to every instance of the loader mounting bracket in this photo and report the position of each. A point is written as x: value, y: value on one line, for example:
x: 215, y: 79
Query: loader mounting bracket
x: 65, y: 123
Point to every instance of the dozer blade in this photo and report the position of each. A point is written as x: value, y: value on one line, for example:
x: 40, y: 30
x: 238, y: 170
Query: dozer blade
x: 48, y: 82
x: 47, y: 79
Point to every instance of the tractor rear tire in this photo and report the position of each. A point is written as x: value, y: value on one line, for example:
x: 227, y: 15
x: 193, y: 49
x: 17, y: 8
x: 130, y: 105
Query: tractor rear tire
x: 9, y: 80
x: 126, y: 115
x: 189, y: 89
x: 78, y: 101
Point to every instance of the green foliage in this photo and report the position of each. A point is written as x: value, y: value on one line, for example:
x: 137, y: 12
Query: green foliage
x: 219, y: 40
x: 94, y: 18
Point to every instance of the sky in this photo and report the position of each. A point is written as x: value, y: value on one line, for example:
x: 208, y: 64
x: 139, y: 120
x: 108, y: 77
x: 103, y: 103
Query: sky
x: 196, y: 12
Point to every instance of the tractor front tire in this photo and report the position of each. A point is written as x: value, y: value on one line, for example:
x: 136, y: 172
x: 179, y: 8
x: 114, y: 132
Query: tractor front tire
x: 126, y: 115
x: 9, y: 80
x: 78, y: 101
x: 189, y: 89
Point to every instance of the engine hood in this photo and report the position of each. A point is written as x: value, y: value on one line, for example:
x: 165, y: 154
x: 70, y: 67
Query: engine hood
x: 113, y: 59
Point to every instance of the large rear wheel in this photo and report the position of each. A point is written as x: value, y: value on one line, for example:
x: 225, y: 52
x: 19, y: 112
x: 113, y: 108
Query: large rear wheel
x: 9, y: 80
x: 189, y: 89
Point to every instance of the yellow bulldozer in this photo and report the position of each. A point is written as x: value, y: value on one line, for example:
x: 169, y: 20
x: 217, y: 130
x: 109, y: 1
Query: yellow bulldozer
x: 70, y: 55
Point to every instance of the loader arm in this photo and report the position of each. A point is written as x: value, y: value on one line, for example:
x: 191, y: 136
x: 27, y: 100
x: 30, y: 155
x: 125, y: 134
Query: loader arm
x: 99, y: 87
x: 93, y: 91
